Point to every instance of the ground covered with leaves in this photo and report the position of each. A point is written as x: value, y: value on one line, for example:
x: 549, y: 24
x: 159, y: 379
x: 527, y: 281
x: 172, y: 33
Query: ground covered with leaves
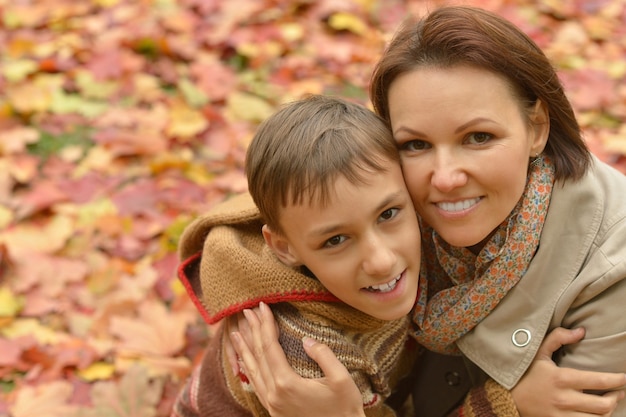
x: 121, y: 120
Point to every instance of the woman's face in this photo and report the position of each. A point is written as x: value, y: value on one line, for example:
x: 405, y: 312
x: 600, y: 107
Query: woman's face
x: 465, y: 147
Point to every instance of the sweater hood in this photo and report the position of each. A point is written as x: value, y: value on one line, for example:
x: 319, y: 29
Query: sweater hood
x: 226, y: 266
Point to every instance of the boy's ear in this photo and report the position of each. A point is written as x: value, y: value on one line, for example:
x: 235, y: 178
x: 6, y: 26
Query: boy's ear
x: 280, y: 246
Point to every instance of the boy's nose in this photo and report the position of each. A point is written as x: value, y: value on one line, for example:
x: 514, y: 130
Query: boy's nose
x: 378, y: 257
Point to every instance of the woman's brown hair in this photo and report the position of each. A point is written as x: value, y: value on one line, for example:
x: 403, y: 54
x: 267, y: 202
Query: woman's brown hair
x: 462, y: 35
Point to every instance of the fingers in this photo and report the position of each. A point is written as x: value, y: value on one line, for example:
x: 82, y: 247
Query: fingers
x: 596, y: 405
x: 280, y: 389
x: 592, y: 382
x: 229, y: 349
x: 556, y: 339
x: 248, y: 368
x: 261, y: 355
x: 333, y: 369
x: 614, y: 398
x: 261, y: 345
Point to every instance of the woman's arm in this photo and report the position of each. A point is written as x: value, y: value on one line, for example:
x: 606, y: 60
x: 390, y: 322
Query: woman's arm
x: 565, y: 384
x: 545, y: 390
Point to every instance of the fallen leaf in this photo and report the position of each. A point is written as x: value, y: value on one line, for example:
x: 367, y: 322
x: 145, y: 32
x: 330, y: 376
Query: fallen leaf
x: 10, y: 303
x: 24, y: 239
x: 48, y: 400
x: 244, y: 106
x: 185, y: 121
x: 347, y: 21
x: 15, y: 140
x: 97, y: 371
x: 155, y: 331
x: 136, y: 396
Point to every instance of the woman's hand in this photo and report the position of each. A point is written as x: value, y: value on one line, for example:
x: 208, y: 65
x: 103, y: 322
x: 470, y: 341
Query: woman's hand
x: 547, y: 390
x: 279, y: 388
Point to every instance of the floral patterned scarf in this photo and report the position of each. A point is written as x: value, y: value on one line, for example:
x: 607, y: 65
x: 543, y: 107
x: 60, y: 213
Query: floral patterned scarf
x: 458, y: 288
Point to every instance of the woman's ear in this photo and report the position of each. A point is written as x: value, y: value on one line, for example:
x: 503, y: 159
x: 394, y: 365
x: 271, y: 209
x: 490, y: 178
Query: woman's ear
x: 280, y: 246
x: 540, y: 122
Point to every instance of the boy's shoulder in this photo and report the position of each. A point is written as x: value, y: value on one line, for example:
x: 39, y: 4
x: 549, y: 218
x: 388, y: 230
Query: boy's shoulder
x: 238, y: 209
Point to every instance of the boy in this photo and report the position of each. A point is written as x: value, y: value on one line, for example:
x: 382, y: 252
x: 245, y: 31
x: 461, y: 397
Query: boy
x: 334, y: 245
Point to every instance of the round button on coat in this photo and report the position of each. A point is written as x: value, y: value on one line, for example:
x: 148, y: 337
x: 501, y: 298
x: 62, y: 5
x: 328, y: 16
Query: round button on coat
x: 521, y: 337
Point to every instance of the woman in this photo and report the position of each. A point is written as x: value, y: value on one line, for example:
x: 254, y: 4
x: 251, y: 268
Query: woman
x: 523, y: 229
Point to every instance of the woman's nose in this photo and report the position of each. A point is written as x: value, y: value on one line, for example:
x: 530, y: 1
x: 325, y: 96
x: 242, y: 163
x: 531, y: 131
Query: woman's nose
x: 448, y: 174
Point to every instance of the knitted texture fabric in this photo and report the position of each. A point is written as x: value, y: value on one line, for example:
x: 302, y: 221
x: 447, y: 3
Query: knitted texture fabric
x: 488, y: 400
x: 227, y: 267
x: 237, y: 269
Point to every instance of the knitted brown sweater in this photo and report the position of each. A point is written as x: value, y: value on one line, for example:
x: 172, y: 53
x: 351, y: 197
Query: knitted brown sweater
x: 227, y: 267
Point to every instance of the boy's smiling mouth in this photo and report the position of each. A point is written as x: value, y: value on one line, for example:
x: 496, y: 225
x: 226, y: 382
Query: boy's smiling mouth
x: 386, y: 287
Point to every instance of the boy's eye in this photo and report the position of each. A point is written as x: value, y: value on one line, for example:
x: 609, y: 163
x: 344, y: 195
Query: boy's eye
x: 334, y: 241
x: 478, y: 138
x: 389, y: 214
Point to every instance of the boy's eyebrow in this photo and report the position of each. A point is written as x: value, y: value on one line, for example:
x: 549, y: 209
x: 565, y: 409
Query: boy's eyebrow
x: 332, y: 228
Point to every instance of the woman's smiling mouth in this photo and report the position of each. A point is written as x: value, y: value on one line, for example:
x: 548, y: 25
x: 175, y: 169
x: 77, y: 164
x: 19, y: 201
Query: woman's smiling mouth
x: 458, y: 205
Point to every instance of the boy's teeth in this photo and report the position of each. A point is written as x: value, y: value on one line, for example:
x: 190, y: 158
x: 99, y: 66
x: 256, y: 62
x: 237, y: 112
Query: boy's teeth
x: 386, y: 287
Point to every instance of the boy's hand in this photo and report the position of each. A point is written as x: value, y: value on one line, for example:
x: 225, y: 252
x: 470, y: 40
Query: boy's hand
x: 547, y: 390
x: 279, y: 388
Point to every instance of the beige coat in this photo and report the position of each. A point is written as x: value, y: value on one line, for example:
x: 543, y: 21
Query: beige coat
x: 577, y: 278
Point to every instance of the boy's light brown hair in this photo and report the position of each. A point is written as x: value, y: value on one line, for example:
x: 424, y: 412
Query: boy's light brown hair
x: 297, y: 153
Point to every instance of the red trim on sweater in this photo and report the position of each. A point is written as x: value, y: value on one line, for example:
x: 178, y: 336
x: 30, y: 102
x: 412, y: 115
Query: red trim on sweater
x: 268, y: 299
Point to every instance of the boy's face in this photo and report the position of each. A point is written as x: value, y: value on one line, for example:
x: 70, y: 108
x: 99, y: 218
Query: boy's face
x: 364, y: 246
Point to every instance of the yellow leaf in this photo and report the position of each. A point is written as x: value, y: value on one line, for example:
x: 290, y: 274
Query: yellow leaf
x: 10, y: 304
x: 616, y: 142
x: 616, y: 69
x: 147, y: 87
x: 34, y: 96
x: 97, y: 371
x: 254, y: 49
x: 185, y: 122
x: 347, y: 21
x: 63, y: 103
x: 193, y: 95
x: 97, y: 158
x: 243, y: 106
x: 107, y: 3
x: 90, y: 212
x: 15, y: 70
x: 6, y: 216
x: 292, y: 32
x: 31, y: 327
x: 177, y: 287
x: 93, y: 89
x: 199, y: 174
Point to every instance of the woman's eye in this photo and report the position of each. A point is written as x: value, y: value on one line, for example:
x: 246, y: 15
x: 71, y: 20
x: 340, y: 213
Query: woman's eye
x: 334, y: 241
x: 389, y: 214
x: 414, y: 145
x: 478, y: 138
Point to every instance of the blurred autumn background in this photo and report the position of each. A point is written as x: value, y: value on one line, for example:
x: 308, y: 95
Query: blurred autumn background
x: 121, y: 120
